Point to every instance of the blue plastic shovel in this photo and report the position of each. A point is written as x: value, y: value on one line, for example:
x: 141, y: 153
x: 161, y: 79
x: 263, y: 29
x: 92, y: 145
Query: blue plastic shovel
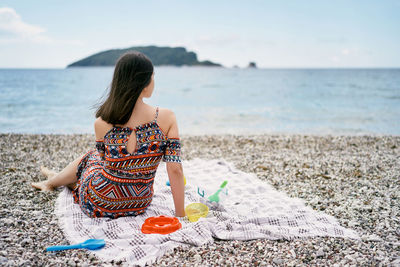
x: 91, y: 244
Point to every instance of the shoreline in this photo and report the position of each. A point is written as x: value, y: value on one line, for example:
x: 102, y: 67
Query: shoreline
x: 353, y: 178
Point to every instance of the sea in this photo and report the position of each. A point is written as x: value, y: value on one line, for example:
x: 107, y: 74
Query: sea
x: 211, y: 100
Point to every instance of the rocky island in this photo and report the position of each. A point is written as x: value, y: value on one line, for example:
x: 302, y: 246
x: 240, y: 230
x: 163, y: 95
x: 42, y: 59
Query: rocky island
x: 175, y: 56
x: 252, y: 65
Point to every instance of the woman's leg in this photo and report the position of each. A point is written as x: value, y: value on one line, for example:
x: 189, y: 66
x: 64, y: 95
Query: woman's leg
x: 66, y: 177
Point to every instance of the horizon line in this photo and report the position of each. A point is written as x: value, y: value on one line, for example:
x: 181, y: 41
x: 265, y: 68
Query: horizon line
x: 187, y: 66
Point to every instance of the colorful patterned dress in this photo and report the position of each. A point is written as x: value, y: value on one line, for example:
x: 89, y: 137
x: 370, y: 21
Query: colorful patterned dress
x: 112, y: 182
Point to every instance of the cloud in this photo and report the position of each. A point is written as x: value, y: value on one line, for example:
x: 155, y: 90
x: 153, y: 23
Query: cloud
x: 15, y: 29
x: 345, y: 51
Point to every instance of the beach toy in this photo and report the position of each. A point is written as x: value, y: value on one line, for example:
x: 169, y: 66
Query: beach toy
x: 202, y: 194
x: 91, y: 244
x: 161, y: 225
x: 196, y: 210
x: 184, y: 180
x: 215, y: 197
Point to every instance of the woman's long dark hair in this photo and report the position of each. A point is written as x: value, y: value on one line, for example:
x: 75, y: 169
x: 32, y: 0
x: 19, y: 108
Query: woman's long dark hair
x: 132, y: 74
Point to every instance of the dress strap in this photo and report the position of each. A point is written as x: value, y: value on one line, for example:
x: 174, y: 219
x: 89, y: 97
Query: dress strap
x: 156, y: 113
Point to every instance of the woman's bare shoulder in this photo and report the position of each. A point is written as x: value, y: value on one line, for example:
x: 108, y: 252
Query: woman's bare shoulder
x: 101, y: 128
x: 166, y: 113
x: 167, y: 122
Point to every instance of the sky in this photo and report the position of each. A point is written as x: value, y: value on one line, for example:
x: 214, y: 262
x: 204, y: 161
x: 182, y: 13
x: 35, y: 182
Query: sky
x: 274, y: 34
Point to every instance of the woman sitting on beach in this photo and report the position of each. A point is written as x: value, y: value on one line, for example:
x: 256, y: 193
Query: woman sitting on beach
x: 116, y: 179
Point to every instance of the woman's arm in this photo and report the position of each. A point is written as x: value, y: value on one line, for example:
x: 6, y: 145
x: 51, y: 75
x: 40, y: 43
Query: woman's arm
x: 175, y: 171
x: 175, y: 174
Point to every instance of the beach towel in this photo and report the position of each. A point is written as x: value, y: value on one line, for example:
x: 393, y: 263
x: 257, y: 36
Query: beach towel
x: 249, y: 209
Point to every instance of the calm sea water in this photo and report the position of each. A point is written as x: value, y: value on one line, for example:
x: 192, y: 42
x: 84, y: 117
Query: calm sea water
x: 212, y: 100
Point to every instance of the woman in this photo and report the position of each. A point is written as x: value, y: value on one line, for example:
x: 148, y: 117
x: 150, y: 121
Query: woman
x: 132, y: 137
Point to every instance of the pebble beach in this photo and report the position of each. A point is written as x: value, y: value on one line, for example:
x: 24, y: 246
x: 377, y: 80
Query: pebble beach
x: 356, y: 179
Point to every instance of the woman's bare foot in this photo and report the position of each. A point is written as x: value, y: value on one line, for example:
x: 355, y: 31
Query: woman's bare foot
x: 44, y: 185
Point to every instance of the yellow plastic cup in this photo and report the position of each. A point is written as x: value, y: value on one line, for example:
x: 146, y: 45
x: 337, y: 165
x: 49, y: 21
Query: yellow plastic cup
x: 195, y: 211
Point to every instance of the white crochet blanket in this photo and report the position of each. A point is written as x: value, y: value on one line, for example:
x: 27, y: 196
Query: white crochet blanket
x: 252, y: 209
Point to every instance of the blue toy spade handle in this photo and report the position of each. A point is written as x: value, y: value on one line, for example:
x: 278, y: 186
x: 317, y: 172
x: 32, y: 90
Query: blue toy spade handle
x: 57, y: 248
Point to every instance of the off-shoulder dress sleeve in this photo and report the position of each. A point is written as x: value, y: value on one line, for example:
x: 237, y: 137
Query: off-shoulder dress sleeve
x: 172, y: 151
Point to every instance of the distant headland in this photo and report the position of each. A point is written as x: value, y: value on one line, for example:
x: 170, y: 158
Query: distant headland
x: 175, y: 56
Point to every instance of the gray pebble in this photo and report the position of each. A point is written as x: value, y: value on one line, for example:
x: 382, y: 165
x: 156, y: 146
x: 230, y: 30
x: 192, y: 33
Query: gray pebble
x: 197, y: 258
x: 374, y: 237
x: 395, y: 262
x: 278, y: 261
x: 71, y: 262
x: 26, y: 241
x: 349, y: 257
x: 8, y: 222
x: 3, y: 260
x: 320, y: 252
